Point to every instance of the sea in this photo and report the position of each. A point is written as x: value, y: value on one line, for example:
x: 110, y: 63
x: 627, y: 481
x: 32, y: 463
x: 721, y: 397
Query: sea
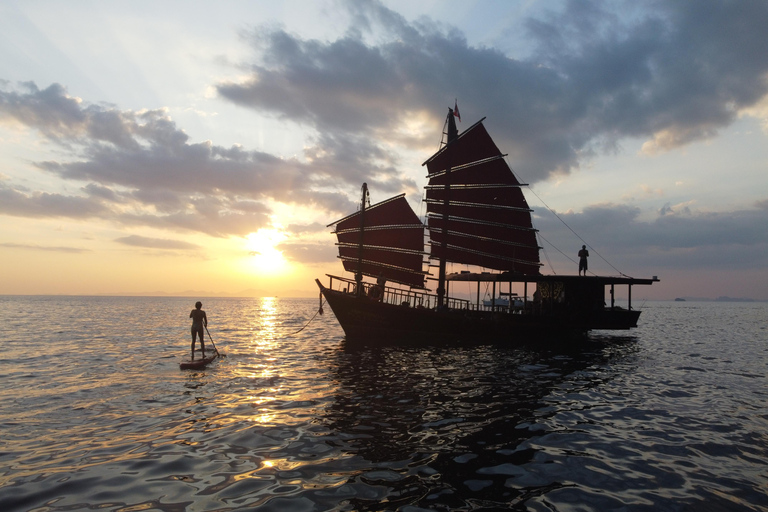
x: 95, y: 413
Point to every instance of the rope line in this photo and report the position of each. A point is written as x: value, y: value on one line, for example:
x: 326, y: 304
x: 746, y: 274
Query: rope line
x: 319, y: 311
x: 546, y: 254
x: 575, y: 234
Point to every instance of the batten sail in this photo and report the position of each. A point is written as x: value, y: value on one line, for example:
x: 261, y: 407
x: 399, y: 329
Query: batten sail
x: 476, y: 212
x: 391, y: 245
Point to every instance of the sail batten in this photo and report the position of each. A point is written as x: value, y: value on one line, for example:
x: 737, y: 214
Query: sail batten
x: 467, y: 204
x: 469, y: 165
x: 395, y: 227
x: 468, y: 186
x: 378, y: 263
x: 476, y: 211
x: 488, y: 239
x: 399, y: 250
x: 486, y: 223
x: 482, y: 258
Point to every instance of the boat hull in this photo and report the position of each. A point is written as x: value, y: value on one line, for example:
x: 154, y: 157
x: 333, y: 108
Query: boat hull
x: 196, y: 364
x: 363, y: 319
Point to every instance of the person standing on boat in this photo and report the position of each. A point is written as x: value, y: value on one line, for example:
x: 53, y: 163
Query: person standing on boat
x: 376, y: 292
x: 583, y: 255
x: 199, y: 319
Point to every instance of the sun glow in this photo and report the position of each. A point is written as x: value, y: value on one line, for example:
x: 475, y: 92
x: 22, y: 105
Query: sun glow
x: 264, y: 256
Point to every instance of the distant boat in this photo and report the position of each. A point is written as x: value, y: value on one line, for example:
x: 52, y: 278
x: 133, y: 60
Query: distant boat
x: 503, y: 301
x: 476, y: 215
x: 679, y: 299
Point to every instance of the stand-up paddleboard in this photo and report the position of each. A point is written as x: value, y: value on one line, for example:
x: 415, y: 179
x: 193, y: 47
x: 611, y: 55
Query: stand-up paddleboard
x: 197, y: 364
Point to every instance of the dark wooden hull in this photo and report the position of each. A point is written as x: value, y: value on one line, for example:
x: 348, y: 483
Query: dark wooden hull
x: 363, y: 319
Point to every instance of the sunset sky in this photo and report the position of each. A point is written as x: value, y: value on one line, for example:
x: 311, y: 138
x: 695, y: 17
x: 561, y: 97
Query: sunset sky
x: 201, y: 148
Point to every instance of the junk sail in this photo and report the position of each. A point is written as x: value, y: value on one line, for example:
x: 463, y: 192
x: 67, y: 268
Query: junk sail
x: 476, y: 212
x: 384, y: 240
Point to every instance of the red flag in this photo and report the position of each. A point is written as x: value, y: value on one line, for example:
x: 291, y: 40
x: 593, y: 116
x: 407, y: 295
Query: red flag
x: 456, y: 110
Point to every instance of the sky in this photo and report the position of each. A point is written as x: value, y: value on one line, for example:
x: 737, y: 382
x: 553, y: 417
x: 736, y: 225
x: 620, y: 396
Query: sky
x: 195, y: 148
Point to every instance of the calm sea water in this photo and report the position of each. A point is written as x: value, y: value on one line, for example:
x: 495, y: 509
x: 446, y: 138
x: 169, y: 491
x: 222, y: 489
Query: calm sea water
x: 96, y: 415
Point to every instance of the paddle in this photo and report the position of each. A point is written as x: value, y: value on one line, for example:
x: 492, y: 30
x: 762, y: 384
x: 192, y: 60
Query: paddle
x: 212, y: 343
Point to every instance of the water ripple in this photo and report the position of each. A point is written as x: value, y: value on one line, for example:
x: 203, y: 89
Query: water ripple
x: 97, y: 414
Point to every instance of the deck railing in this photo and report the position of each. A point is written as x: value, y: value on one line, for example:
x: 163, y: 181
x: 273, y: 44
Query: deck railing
x: 398, y: 296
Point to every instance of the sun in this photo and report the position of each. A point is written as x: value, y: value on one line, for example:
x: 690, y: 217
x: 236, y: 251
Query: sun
x: 263, y: 255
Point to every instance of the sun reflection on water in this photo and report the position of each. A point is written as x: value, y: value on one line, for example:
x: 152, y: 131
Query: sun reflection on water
x: 265, y: 344
x: 266, y: 334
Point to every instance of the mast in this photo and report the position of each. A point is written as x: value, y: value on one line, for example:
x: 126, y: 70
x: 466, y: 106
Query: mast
x: 452, y: 134
x: 359, y: 273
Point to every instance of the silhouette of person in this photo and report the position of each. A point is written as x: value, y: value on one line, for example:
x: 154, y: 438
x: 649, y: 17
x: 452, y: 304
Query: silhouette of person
x: 199, y: 319
x: 583, y: 255
x: 376, y: 292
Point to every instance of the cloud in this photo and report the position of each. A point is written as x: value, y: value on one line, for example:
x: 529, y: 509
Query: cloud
x: 308, y: 253
x: 670, y: 72
x: 596, y: 73
x: 53, y: 112
x: 682, y: 239
x: 156, y: 243
x: 35, y: 247
x: 303, y: 229
x: 141, y: 169
x: 21, y: 203
x: 146, y: 153
x: 214, y: 216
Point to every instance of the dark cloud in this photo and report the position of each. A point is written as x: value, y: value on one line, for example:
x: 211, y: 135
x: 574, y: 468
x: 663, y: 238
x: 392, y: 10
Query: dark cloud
x: 156, y: 243
x: 94, y: 190
x: 678, y: 72
x: 50, y: 110
x: 670, y: 72
x: 682, y: 240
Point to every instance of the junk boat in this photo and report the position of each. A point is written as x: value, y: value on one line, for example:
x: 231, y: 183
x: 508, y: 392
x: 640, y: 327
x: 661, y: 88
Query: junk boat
x: 477, y: 215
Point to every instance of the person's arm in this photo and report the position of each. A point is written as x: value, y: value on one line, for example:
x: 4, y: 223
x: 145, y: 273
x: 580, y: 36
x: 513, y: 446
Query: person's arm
x: 192, y: 314
x: 205, y: 319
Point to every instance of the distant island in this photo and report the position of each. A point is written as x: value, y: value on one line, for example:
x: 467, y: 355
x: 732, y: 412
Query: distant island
x: 722, y: 298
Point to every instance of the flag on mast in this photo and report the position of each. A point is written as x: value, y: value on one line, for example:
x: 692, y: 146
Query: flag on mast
x: 456, y: 109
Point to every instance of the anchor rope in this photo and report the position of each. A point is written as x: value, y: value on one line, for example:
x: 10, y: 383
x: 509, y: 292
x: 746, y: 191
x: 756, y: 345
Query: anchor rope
x: 318, y: 312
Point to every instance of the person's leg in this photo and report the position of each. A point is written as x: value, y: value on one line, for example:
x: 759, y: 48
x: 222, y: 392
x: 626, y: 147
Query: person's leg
x: 194, y: 335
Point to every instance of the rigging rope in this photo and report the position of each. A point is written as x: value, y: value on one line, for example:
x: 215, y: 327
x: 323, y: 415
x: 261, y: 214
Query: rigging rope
x: 575, y: 234
x: 546, y: 254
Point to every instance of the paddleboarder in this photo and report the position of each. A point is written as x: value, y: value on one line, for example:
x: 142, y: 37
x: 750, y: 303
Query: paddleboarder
x: 199, y: 320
